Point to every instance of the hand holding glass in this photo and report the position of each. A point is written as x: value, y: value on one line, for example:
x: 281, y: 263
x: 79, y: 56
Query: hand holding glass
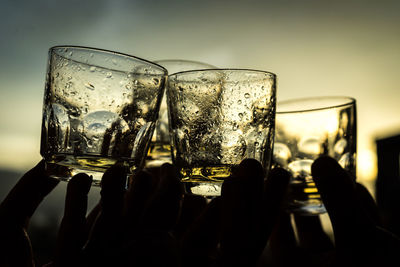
x: 306, y: 129
x: 218, y: 117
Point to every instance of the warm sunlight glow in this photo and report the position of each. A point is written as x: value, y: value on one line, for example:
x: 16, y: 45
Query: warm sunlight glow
x: 20, y: 152
x: 366, y: 165
x: 321, y: 123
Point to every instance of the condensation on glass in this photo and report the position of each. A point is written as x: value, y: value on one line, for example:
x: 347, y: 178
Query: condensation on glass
x: 160, y: 148
x: 218, y: 118
x: 100, y: 108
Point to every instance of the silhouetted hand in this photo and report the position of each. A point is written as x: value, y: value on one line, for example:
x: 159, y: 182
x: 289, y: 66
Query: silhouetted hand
x: 234, y: 228
x: 149, y: 224
x: 359, y: 239
x: 15, y: 212
x: 128, y: 228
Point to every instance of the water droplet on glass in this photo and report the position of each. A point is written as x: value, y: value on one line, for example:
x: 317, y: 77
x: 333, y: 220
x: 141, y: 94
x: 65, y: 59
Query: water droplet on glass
x: 239, y: 102
x: 109, y: 74
x: 156, y: 81
x: 68, y: 85
x: 92, y: 69
x: 246, y: 95
x: 89, y: 86
x: 235, y: 127
x: 240, y: 115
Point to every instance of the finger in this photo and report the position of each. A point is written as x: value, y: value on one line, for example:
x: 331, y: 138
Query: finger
x: 274, y: 195
x: 137, y: 197
x: 311, y: 234
x: 72, y: 234
x: 192, y: 208
x: 27, y: 194
x: 155, y: 174
x: 92, y: 217
x: 202, y: 237
x: 113, y: 187
x: 108, y: 224
x: 368, y: 203
x: 349, y: 220
x: 162, y: 210
x: 241, y: 208
x: 282, y: 242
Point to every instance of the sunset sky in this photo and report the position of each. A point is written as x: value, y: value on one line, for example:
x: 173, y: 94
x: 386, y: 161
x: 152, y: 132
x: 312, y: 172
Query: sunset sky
x: 315, y: 47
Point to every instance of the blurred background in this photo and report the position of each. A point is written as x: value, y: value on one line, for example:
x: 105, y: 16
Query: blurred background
x: 315, y: 47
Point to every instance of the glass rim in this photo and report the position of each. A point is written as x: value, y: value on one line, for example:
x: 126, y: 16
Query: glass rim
x: 111, y: 52
x: 201, y: 65
x: 222, y: 69
x: 342, y: 101
x: 182, y: 60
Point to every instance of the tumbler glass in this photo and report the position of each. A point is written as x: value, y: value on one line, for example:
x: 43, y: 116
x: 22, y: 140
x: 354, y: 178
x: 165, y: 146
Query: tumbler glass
x: 306, y: 129
x: 100, y: 108
x: 218, y: 117
x: 160, y: 148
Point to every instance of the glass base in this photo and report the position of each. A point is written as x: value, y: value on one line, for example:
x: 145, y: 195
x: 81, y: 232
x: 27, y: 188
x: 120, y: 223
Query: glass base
x: 159, y: 153
x: 207, y: 190
x: 306, y: 208
x: 157, y: 162
x: 64, y: 167
x: 205, y: 181
x: 52, y: 169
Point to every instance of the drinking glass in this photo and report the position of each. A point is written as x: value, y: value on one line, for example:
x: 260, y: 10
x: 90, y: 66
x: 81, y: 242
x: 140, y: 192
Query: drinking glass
x: 218, y: 117
x: 100, y: 108
x: 160, y: 148
x: 306, y: 129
